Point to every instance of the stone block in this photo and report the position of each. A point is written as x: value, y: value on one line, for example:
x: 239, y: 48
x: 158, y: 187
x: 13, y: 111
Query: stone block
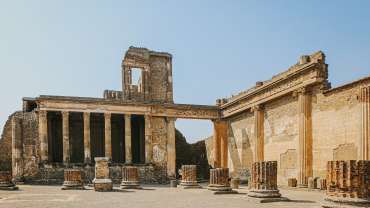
x: 6, y: 182
x: 102, y: 182
x: 292, y: 182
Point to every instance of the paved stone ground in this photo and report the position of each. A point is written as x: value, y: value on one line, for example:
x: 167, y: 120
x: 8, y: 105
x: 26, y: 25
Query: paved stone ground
x: 149, y: 197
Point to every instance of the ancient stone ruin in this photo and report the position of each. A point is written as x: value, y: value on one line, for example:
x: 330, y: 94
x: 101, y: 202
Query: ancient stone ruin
x: 72, y: 180
x: 6, y: 182
x: 264, y: 180
x: 189, y: 176
x: 295, y: 118
x: 348, y: 183
x: 102, y: 180
x: 130, y: 178
x: 219, y: 181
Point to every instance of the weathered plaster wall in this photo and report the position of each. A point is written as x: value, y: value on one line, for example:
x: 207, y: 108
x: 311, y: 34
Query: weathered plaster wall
x: 281, y: 135
x: 241, y: 144
x: 336, y: 122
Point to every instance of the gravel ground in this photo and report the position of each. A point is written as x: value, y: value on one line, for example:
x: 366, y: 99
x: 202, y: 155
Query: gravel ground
x: 148, y: 197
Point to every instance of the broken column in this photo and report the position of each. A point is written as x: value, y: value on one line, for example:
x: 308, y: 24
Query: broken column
x: 264, y: 180
x: 130, y: 178
x: 348, y: 184
x: 6, y: 181
x: 189, y: 176
x: 219, y: 180
x: 102, y: 182
x: 72, y: 180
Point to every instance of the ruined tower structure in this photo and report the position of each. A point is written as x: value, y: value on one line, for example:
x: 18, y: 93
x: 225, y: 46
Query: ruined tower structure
x: 134, y: 127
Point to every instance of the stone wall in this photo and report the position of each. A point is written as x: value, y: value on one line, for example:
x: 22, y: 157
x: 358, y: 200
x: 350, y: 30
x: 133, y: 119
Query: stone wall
x: 6, y: 145
x: 281, y: 135
x: 337, y: 126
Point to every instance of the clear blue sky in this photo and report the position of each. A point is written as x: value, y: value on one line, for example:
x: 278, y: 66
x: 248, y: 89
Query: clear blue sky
x: 219, y: 47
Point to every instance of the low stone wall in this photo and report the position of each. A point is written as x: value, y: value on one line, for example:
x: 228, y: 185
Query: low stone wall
x: 54, y: 174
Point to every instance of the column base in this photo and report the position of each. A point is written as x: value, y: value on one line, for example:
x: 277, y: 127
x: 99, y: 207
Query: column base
x: 219, y: 189
x: 189, y: 185
x: 264, y: 193
x: 72, y: 185
x: 302, y: 185
x: 103, y: 184
x: 340, y: 202
x: 8, y: 187
x: 130, y: 185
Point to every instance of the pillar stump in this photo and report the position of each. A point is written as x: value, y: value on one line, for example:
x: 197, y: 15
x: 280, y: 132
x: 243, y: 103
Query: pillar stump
x: 264, y: 180
x: 130, y: 178
x: 219, y: 181
x: 348, y: 184
x: 6, y: 182
x: 72, y: 180
x: 189, y: 177
x: 102, y: 182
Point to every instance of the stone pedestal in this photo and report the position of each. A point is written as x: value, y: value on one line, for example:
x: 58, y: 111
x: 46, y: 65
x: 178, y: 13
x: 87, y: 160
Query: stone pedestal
x: 292, y: 182
x: 130, y: 178
x: 348, y: 184
x: 189, y: 176
x: 321, y: 184
x: 234, y: 183
x: 264, y: 180
x: 6, y: 181
x: 102, y: 182
x: 72, y: 180
x: 219, y: 181
x: 173, y: 183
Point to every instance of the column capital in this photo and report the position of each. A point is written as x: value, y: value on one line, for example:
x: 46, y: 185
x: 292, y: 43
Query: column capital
x: 86, y: 114
x: 107, y: 114
x: 257, y: 108
x: 127, y: 116
x: 300, y: 91
x: 65, y: 113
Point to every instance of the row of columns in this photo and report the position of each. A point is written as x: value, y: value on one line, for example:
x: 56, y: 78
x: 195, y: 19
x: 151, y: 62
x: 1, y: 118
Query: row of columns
x: 43, y: 136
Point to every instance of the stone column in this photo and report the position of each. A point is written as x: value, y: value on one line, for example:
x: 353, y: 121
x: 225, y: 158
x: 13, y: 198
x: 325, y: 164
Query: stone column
x: 264, y: 180
x: 348, y: 184
x: 128, y: 152
x: 108, y: 138
x: 130, y: 178
x: 305, y: 137
x: 17, y: 148
x: 365, y: 134
x: 6, y: 182
x: 87, y: 150
x: 148, y: 139
x: 66, y: 149
x: 72, y: 180
x: 258, y: 133
x: 219, y: 180
x: 189, y: 176
x: 43, y: 136
x: 220, y: 143
x: 171, y: 148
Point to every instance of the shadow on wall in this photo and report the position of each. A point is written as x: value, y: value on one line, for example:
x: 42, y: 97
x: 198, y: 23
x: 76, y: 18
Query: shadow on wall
x: 192, y: 154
